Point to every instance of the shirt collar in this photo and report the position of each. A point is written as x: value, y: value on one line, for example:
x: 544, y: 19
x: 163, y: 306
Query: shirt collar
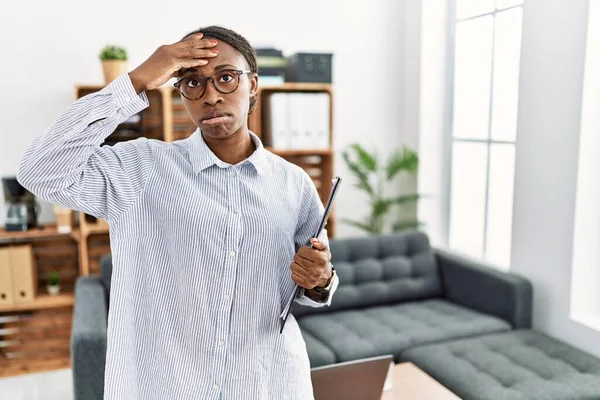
x: 202, y: 157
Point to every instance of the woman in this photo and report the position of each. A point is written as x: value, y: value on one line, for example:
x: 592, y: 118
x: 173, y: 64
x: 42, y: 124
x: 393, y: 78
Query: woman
x: 205, y: 232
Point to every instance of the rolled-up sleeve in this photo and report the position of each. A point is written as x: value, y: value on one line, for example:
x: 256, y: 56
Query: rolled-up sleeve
x: 68, y: 165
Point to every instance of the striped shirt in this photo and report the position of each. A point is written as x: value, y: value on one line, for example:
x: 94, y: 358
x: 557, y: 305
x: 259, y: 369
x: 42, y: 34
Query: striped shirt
x: 201, y: 253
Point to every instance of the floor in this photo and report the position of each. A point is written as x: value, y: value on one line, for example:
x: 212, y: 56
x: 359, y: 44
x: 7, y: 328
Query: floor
x: 53, y: 385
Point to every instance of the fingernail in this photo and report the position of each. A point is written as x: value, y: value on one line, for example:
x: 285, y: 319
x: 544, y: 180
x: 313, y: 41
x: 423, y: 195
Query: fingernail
x: 315, y: 240
x: 213, y: 42
x: 215, y: 51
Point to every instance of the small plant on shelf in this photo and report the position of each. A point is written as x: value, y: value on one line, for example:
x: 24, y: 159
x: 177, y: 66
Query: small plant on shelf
x: 53, y: 283
x: 114, y: 62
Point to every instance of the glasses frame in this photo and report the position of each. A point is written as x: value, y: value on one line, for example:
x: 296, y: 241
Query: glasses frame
x: 205, y: 80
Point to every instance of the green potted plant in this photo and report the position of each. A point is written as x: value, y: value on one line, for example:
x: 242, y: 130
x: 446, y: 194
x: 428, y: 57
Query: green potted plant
x: 114, y: 62
x: 373, y: 177
x: 53, y: 283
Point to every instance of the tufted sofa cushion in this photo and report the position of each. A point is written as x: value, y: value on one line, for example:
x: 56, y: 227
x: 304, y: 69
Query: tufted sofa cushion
x: 518, y: 365
x: 381, y: 270
x: 391, y: 329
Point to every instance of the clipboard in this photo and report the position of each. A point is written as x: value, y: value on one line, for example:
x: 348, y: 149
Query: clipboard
x: 334, y: 189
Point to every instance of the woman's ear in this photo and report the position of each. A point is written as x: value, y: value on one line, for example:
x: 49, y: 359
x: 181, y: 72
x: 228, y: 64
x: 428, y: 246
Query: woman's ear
x: 253, y: 84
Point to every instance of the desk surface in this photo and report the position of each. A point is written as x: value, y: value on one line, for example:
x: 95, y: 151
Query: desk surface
x: 411, y: 383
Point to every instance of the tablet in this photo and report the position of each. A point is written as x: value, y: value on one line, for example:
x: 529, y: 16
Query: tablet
x: 334, y: 189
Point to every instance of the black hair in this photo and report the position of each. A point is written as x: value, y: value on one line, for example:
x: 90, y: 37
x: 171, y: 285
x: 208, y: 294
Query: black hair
x: 236, y: 41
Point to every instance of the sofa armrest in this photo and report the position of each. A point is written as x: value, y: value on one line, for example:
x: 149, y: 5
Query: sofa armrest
x: 485, y: 289
x: 88, y: 339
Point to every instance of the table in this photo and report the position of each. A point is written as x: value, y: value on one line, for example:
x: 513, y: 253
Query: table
x: 411, y: 383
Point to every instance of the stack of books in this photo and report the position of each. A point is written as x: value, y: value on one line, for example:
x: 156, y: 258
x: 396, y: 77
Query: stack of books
x: 271, y: 66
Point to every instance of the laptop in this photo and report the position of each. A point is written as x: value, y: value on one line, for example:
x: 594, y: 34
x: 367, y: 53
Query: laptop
x: 352, y: 380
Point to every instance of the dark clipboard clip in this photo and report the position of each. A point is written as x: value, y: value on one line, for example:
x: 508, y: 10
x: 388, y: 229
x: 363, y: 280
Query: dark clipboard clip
x: 334, y: 189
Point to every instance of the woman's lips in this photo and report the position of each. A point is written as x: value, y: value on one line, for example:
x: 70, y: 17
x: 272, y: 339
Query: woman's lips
x: 216, y: 121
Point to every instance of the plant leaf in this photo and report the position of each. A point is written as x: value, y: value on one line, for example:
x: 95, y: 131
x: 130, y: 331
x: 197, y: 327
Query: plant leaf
x: 356, y: 224
x: 407, y: 198
x: 403, y: 159
x: 380, y: 207
x: 367, y: 160
x: 359, y: 172
x: 406, y: 225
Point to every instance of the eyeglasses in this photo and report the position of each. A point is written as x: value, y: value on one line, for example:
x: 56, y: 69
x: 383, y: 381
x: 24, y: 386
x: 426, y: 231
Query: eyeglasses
x: 193, y: 87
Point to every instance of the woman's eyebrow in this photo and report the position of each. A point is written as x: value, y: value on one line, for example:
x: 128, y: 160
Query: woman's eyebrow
x: 217, y: 68
x: 222, y: 66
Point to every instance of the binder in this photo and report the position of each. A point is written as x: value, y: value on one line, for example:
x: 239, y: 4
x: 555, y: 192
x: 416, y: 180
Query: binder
x: 321, y: 107
x: 6, y: 287
x: 278, y: 130
x: 23, y: 271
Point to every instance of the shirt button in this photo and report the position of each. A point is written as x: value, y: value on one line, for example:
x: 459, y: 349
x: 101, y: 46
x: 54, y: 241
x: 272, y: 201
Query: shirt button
x: 221, y: 343
x: 232, y: 254
x: 226, y: 297
x: 216, y: 387
x: 236, y: 211
x: 233, y: 172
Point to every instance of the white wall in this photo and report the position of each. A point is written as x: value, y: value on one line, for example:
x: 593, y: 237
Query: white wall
x: 49, y: 47
x: 553, y: 56
x: 434, y: 141
x: 585, y: 282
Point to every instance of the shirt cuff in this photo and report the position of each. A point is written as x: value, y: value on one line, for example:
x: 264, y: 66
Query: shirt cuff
x: 304, y: 300
x: 126, y: 97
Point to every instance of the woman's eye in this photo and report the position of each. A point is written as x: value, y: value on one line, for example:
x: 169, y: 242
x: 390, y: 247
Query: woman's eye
x: 226, y: 78
x: 192, y: 82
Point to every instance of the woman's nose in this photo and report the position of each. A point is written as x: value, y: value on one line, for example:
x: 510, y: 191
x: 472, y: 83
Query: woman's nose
x: 212, y: 95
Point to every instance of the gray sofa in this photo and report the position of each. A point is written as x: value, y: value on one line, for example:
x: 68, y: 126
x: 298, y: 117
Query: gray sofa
x: 465, y: 324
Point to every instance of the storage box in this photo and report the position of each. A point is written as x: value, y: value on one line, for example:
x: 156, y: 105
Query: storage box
x: 309, y: 67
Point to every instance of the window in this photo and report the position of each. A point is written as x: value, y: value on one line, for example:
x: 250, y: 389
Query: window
x: 484, y: 97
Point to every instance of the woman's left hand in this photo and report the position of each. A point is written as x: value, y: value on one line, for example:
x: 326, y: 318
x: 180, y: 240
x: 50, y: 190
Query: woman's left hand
x: 311, y: 266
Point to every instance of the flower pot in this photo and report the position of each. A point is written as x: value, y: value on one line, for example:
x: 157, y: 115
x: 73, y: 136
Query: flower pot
x: 53, y: 290
x: 113, y: 69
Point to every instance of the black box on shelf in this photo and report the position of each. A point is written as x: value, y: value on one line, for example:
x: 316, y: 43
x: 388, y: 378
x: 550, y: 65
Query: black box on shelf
x: 309, y: 67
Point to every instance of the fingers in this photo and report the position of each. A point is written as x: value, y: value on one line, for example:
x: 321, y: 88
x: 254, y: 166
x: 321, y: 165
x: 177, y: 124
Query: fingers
x: 300, y: 281
x: 317, y: 244
x: 195, y: 52
x: 313, y: 254
x: 191, y: 63
x: 305, y: 278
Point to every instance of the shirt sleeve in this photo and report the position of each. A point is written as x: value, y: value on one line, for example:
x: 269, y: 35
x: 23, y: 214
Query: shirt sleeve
x: 67, y: 165
x: 309, y: 218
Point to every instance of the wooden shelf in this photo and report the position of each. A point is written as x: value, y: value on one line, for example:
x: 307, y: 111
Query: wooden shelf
x: 20, y: 366
x: 48, y: 231
x: 292, y: 153
x: 43, y: 302
x: 99, y: 228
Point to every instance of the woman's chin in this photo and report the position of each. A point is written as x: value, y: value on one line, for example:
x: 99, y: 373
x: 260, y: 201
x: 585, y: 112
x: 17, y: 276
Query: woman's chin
x: 216, y: 132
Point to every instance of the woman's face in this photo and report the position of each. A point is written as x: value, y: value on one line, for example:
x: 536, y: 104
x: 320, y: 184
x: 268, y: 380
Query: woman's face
x: 220, y: 115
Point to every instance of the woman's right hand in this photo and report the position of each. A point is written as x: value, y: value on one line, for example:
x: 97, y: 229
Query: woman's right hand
x: 168, y: 59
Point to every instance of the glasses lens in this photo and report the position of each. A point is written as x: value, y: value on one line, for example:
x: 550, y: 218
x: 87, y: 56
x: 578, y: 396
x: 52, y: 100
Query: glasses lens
x: 192, y: 87
x: 226, y: 81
